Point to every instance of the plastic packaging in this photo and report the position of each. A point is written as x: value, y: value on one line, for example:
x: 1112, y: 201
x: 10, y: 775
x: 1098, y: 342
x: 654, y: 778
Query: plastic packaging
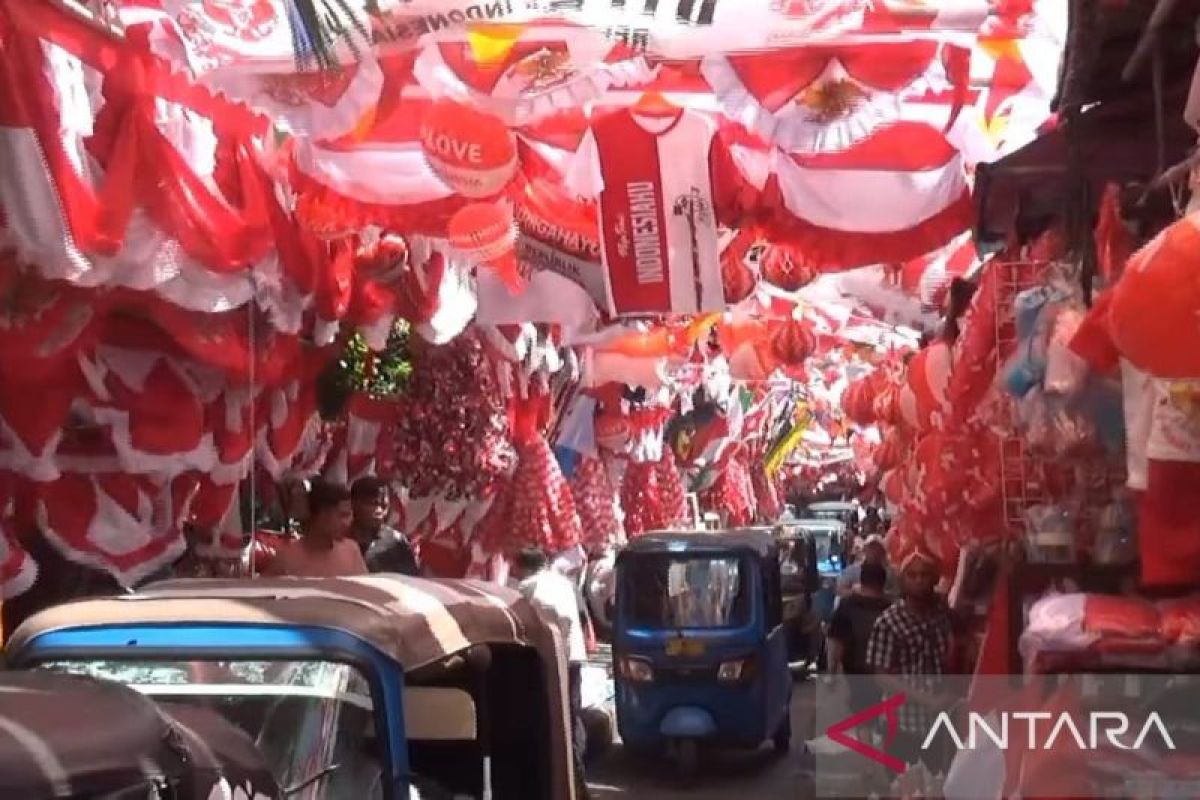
x: 1116, y: 536
x: 1050, y: 534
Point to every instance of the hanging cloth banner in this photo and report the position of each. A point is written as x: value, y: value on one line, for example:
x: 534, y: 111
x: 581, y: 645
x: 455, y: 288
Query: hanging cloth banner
x: 687, y: 28
x: 791, y: 440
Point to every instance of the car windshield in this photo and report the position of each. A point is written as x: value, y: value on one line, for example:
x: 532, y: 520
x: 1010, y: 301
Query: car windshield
x: 680, y: 591
x: 312, y: 720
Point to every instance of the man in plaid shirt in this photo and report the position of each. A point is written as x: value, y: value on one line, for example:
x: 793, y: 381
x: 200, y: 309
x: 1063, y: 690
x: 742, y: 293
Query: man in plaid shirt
x: 909, y: 649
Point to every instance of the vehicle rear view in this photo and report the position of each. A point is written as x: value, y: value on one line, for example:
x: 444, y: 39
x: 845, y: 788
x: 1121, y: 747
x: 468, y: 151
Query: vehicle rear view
x: 698, y: 646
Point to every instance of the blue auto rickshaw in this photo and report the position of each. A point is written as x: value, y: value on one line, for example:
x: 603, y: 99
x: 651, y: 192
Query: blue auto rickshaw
x: 699, y: 650
x: 360, y: 688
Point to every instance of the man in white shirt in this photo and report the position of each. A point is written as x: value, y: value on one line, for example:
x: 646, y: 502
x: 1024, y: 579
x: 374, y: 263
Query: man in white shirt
x: 557, y: 598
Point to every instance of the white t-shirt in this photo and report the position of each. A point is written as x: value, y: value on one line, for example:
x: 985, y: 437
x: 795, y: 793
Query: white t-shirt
x: 556, y: 596
x: 1175, y: 422
x: 1137, y: 389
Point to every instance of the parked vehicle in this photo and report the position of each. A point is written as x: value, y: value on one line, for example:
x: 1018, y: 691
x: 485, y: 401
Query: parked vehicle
x: 698, y: 645
x: 69, y: 737
x: 350, y: 688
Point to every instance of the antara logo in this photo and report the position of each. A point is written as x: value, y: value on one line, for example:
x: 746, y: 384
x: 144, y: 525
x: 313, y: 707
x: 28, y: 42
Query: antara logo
x: 1042, y: 730
x: 1036, y: 730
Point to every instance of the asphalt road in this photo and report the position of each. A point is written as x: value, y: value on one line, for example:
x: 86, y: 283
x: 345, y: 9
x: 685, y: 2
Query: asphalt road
x: 723, y: 776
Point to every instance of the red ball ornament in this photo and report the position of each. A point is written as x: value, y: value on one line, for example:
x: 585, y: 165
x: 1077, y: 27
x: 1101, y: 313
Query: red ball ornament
x: 784, y: 267
x: 736, y: 277
x: 486, y: 233
x: 793, y: 342
x: 1153, y: 311
x: 473, y: 152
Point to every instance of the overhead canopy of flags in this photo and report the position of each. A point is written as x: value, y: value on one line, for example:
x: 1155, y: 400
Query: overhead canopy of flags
x: 201, y: 198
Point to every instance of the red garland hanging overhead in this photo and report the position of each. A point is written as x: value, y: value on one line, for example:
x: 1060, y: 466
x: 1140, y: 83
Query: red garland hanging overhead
x: 641, y: 488
x: 733, y: 495
x: 640, y: 498
x: 596, y: 501
x: 672, y: 497
x: 451, y: 429
x: 541, y: 510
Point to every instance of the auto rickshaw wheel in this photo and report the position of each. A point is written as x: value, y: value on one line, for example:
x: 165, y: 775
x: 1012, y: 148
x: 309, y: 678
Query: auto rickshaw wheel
x: 782, y: 740
x: 687, y: 758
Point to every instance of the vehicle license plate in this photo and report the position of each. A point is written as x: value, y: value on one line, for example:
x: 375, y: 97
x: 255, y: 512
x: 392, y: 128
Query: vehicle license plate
x: 685, y: 647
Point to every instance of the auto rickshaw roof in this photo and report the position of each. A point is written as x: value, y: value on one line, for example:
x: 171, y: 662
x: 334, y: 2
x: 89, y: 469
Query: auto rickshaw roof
x: 415, y: 621
x: 133, y: 745
x: 754, y: 541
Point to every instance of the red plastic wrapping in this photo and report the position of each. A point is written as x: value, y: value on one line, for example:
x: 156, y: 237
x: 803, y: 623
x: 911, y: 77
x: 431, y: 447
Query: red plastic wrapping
x: 1124, y: 617
x: 1181, y: 620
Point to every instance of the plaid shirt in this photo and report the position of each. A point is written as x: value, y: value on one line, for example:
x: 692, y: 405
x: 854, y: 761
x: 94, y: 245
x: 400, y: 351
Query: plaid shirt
x: 914, y: 645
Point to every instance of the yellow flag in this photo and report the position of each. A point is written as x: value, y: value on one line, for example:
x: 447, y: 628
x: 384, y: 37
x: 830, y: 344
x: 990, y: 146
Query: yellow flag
x: 491, y: 43
x: 800, y: 422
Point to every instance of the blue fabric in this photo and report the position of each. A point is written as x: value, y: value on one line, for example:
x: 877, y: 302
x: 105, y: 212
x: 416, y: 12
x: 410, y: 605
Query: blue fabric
x: 567, y: 460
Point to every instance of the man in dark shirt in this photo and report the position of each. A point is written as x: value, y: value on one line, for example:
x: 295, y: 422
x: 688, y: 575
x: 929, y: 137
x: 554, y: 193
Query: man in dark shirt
x: 384, y: 548
x: 850, y: 630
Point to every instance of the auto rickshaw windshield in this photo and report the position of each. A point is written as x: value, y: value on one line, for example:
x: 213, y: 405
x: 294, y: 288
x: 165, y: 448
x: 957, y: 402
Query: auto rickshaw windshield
x: 312, y: 720
x: 663, y: 591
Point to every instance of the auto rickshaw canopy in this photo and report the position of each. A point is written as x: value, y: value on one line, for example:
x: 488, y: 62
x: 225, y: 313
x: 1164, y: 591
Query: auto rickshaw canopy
x: 415, y: 621
x: 133, y: 746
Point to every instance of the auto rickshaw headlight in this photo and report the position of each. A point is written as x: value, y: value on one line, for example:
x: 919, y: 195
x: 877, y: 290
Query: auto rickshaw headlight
x: 637, y: 670
x: 738, y: 670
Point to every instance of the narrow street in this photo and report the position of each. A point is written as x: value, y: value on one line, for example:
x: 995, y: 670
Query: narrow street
x: 723, y: 775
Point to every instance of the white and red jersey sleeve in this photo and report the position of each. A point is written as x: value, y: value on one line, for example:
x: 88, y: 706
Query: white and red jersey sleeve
x: 663, y: 185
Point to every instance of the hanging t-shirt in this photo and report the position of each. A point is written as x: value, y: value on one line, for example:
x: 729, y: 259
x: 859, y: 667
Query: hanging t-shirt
x: 664, y: 184
x: 1175, y: 421
x: 1137, y: 389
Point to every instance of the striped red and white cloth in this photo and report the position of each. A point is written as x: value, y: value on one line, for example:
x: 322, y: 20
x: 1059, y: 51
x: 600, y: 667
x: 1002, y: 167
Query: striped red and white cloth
x: 929, y: 277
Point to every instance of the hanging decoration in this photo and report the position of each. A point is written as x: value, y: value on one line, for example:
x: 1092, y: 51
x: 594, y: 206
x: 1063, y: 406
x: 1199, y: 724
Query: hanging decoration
x: 1153, y: 311
x: 598, y: 505
x: 473, y: 152
x: 486, y: 233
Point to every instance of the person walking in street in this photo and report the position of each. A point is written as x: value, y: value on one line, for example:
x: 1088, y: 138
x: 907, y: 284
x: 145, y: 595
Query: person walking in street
x: 324, y: 549
x: 556, y: 597
x: 873, y: 552
x: 384, y: 548
x: 850, y: 631
x: 909, y: 650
